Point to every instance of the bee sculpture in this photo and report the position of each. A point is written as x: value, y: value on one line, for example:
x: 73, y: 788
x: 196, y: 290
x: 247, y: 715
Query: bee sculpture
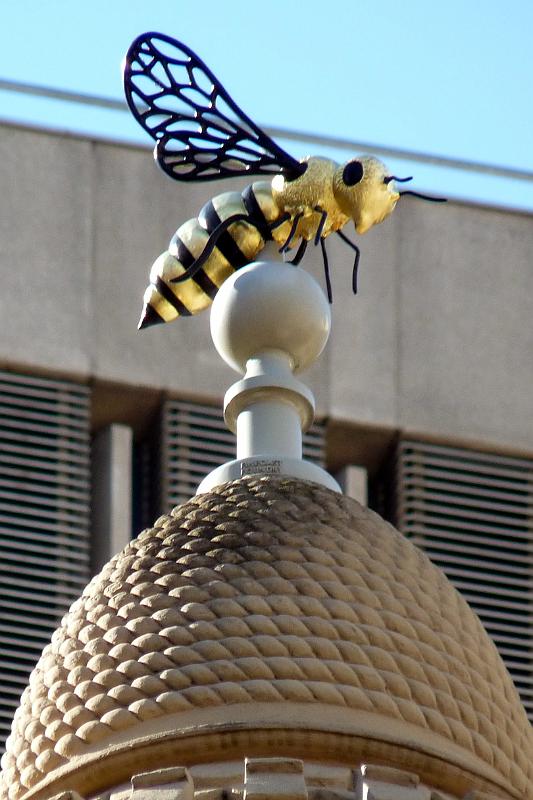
x: 201, y: 135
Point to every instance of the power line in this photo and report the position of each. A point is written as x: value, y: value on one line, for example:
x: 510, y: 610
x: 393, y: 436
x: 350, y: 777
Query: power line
x: 62, y: 94
x: 279, y: 133
x: 408, y: 155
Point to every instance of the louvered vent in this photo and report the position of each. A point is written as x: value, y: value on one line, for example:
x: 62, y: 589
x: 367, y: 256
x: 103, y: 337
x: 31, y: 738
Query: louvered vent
x: 44, y: 520
x: 473, y: 515
x: 195, y: 440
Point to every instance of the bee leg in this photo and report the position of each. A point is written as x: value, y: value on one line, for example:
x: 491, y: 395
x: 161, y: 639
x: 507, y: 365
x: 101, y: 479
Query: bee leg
x: 321, y: 224
x: 326, y: 270
x: 355, y: 263
x: 284, y: 217
x: 299, y: 253
x: 354, y: 271
x: 209, y: 247
x: 290, y: 237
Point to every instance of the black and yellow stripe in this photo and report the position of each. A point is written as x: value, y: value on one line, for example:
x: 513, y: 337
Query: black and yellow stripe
x: 237, y: 246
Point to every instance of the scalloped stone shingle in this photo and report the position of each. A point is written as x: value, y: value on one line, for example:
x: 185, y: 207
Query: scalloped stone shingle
x: 270, y: 603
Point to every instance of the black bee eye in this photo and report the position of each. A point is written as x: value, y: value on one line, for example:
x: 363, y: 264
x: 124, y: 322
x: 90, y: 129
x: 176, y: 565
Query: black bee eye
x: 352, y: 173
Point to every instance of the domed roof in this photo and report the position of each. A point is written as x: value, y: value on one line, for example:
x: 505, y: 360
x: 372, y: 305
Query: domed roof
x: 269, y: 613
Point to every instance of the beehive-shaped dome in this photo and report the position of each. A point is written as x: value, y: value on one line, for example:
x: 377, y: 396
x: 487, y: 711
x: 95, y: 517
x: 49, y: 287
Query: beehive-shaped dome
x: 269, y: 616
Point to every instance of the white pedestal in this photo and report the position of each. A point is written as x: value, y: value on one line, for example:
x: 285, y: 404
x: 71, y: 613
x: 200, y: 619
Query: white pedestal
x: 269, y: 321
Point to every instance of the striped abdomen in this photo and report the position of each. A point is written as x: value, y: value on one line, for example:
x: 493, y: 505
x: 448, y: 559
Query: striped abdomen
x: 236, y: 247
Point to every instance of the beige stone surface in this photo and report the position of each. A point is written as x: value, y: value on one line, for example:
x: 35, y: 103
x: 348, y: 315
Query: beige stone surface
x: 283, y: 778
x: 163, y: 784
x: 269, y: 617
x: 277, y: 779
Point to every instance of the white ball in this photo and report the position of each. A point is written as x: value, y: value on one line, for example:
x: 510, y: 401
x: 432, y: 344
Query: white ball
x: 270, y: 305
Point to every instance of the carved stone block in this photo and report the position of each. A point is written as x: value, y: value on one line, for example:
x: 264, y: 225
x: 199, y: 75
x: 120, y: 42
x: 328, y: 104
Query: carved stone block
x: 386, y: 783
x: 269, y: 778
x: 163, y: 784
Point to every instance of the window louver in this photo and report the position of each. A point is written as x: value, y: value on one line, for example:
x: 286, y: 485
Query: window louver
x: 195, y: 441
x: 472, y: 513
x: 44, y: 520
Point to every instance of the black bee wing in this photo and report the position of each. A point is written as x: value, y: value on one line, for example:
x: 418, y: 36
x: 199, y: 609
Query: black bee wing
x: 200, y: 132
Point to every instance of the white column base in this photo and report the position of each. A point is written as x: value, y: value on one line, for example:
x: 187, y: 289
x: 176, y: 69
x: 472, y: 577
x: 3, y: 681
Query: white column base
x: 268, y: 465
x: 268, y: 322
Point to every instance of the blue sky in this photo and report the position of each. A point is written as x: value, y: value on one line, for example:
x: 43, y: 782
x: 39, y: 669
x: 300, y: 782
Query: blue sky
x: 451, y: 79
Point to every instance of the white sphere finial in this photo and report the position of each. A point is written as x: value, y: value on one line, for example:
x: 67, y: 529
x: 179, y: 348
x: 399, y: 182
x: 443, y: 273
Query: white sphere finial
x: 270, y: 306
x: 268, y: 321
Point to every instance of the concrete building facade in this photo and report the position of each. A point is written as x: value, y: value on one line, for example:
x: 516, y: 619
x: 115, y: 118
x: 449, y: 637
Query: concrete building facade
x: 437, y: 343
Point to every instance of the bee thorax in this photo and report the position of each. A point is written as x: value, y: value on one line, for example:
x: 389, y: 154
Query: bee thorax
x: 308, y: 198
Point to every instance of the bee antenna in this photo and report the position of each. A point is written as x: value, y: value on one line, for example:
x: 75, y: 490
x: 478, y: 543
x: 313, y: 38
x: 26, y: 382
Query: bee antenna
x: 390, y: 178
x: 426, y: 197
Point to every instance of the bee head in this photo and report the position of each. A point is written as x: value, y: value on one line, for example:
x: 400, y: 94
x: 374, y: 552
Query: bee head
x: 365, y: 191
